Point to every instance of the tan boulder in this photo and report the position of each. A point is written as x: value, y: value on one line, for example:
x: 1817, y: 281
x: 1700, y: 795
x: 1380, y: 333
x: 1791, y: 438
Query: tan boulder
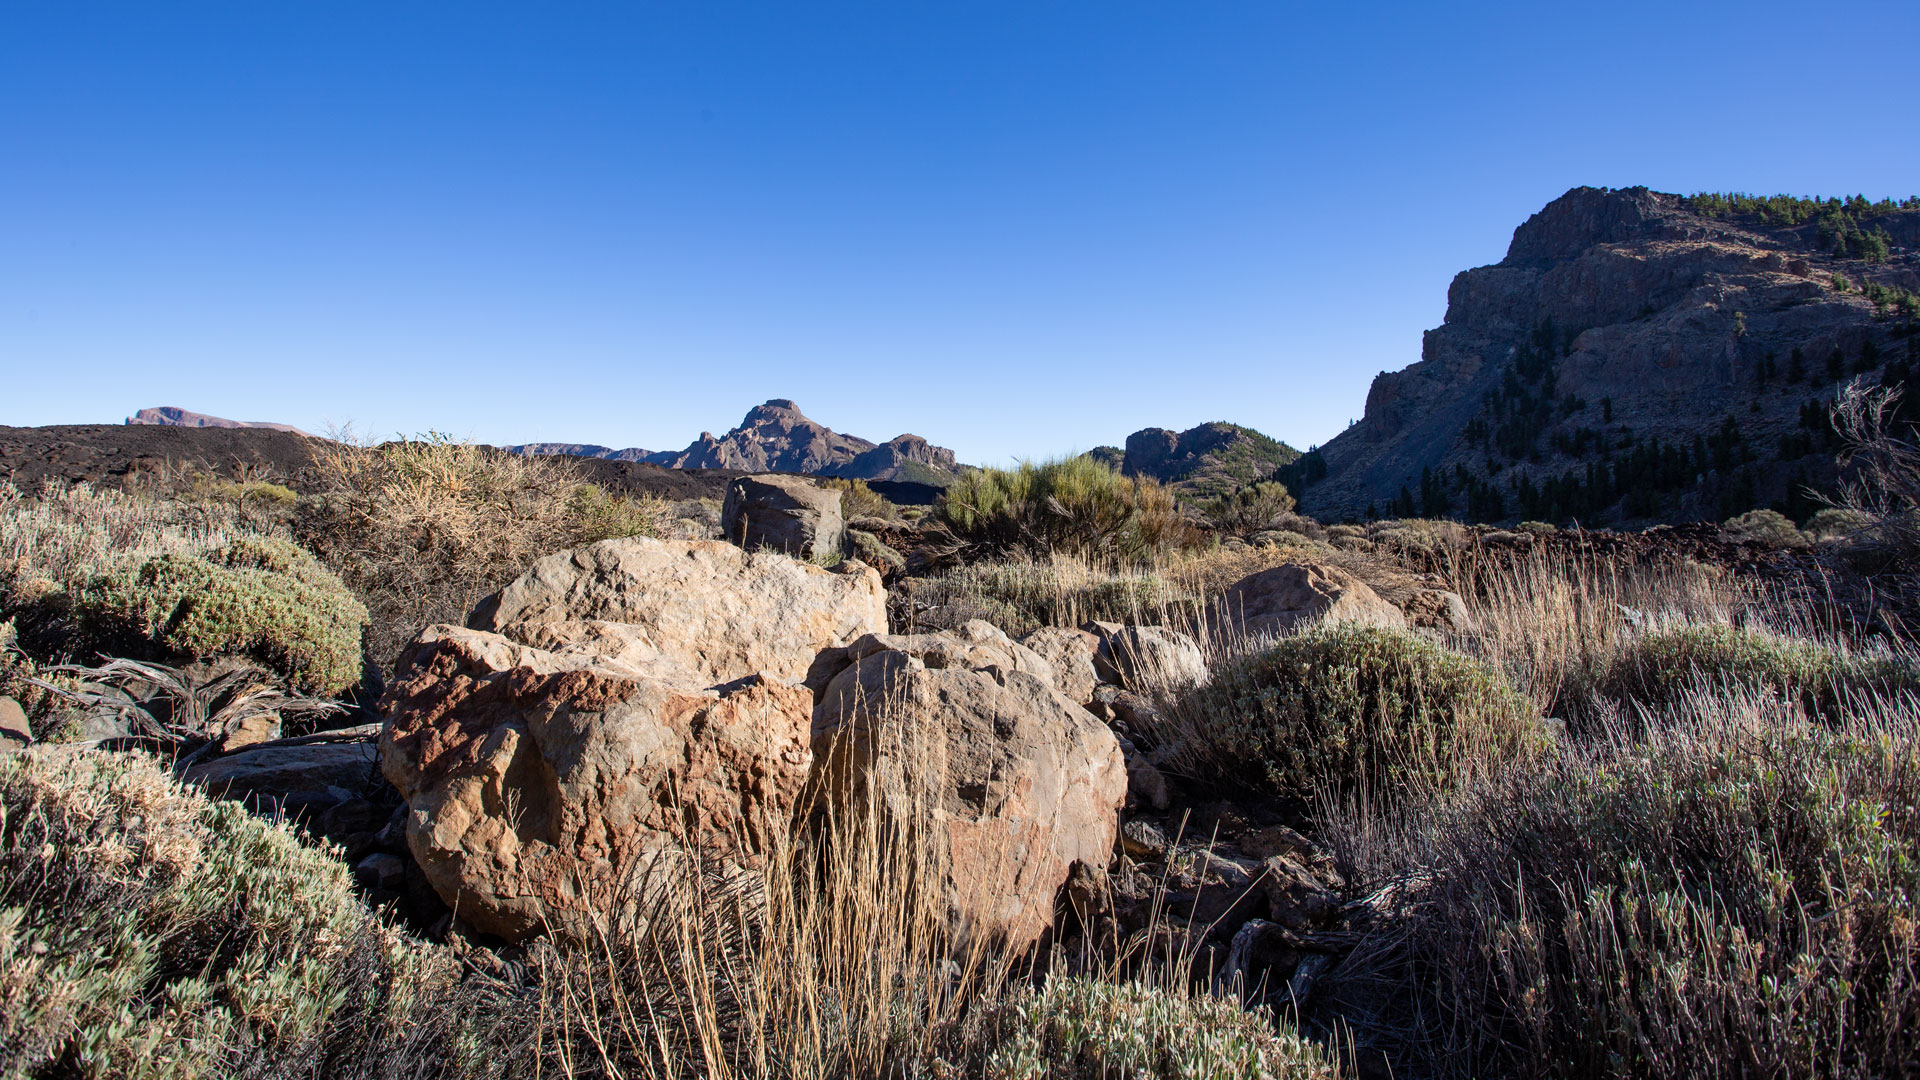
x: 1294, y: 596
x: 1070, y: 653
x: 695, y: 612
x: 1020, y: 783
x: 542, y: 786
x: 788, y: 514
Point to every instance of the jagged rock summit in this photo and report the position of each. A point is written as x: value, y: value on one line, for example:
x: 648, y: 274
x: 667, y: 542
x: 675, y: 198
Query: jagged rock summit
x: 1201, y: 462
x: 1636, y: 356
x: 778, y: 437
x: 172, y: 416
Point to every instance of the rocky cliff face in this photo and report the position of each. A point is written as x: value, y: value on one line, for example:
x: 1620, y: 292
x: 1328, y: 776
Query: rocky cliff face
x: 1202, y: 462
x: 1636, y: 356
x: 778, y: 437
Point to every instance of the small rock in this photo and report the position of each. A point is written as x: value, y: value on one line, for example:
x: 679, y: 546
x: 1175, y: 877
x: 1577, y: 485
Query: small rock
x: 1071, y: 653
x: 251, y: 731
x: 1297, y: 897
x: 15, y: 732
x: 381, y: 873
x: 353, y: 816
x: 1146, y: 785
x: 1148, y: 658
x: 277, y: 771
x: 1277, y: 840
x: 1143, y: 840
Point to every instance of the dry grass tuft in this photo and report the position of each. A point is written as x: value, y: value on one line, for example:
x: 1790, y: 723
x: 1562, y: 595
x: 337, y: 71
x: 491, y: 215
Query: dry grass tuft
x: 423, y: 529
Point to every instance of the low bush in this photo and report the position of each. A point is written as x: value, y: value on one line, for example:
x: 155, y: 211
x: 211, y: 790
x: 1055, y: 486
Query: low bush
x: 1730, y: 895
x: 1767, y: 528
x: 1658, y: 667
x: 1251, y: 509
x: 597, y: 515
x: 1076, y: 506
x: 1082, y: 1029
x: 1838, y: 523
x: 260, y: 598
x: 146, y: 931
x: 857, y: 500
x: 1342, y: 708
x: 421, y: 530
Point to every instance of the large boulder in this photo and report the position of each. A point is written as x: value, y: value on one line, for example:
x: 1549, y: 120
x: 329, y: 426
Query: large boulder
x: 692, y: 612
x: 966, y: 726
x: 544, y: 789
x: 1070, y: 653
x: 1294, y: 596
x: 788, y: 514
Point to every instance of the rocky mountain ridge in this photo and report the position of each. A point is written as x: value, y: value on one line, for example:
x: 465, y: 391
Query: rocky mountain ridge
x: 1636, y: 356
x: 777, y: 437
x: 1202, y: 462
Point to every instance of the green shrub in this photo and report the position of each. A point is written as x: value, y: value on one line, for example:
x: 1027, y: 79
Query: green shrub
x: 1080, y: 1029
x: 597, y: 515
x: 1345, y: 706
x: 1251, y: 509
x: 1838, y: 523
x: 1768, y: 528
x: 857, y: 500
x: 1074, y: 506
x: 1659, y: 666
x: 1715, y: 900
x: 146, y: 931
x: 261, y: 598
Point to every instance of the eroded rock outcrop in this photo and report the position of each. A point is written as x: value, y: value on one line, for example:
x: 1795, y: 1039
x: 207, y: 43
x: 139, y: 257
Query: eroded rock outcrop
x: 1619, y: 317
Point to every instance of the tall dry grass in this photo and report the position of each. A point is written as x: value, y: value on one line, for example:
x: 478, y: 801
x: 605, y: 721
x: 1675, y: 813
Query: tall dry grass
x: 1556, y: 620
x: 421, y: 530
x: 1723, y: 887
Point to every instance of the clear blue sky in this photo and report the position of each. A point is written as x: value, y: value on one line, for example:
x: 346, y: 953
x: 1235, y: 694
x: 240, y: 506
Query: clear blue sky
x: 1018, y: 229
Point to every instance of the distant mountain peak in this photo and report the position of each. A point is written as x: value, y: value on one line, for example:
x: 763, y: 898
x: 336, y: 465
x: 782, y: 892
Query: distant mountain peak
x: 174, y: 416
x: 775, y: 436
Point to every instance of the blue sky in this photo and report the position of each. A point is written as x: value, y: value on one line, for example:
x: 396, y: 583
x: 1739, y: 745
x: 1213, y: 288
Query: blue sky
x: 1018, y: 229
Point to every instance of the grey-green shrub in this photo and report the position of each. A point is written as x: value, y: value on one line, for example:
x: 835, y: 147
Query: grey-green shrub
x: 1714, y: 899
x: 1768, y: 528
x: 1251, y: 509
x: 1343, y: 706
x: 146, y: 931
x: 1075, y: 1028
x: 1657, y: 667
x: 256, y: 597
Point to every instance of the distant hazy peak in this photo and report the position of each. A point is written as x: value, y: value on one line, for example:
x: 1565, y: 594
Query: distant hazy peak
x: 173, y: 416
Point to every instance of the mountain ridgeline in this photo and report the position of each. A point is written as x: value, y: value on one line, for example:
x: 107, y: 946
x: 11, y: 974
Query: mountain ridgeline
x: 1202, y: 462
x: 778, y: 437
x: 1637, y: 356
